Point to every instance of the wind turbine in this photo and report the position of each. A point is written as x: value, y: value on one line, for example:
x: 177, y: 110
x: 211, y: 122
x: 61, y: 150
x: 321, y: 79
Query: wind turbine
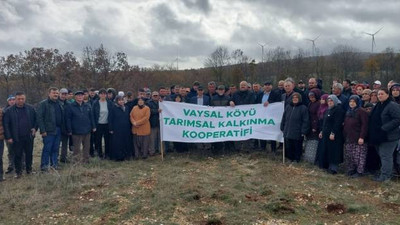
x: 262, y: 51
x: 313, y: 44
x: 262, y: 54
x: 373, y: 39
x: 177, y: 60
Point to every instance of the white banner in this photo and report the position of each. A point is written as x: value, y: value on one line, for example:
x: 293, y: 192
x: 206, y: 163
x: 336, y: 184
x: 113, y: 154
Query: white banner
x: 182, y: 122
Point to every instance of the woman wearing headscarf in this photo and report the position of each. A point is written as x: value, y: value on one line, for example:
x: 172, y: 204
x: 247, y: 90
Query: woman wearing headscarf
x: 294, y: 125
x: 331, y: 135
x: 323, y: 106
x: 139, y: 117
x: 312, y: 138
x: 395, y: 92
x: 366, y: 97
x: 384, y: 132
x: 120, y: 130
x: 355, y: 131
x: 373, y: 97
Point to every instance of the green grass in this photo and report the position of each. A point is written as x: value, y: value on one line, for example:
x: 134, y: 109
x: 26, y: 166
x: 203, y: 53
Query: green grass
x: 194, y: 188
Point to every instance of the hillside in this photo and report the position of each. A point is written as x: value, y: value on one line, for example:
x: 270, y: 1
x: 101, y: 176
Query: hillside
x: 195, y: 188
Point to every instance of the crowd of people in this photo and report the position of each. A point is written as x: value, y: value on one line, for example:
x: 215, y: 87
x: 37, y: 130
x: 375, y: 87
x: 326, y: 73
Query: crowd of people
x: 353, y: 123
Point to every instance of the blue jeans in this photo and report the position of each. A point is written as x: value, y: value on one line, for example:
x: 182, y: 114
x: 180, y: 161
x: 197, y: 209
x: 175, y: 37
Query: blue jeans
x: 51, y: 145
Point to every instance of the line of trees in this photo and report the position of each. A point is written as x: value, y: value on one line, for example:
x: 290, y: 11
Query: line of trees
x: 344, y: 62
x: 33, y: 71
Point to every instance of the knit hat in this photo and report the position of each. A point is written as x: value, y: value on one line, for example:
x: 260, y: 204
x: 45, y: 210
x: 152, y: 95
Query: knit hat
x: 10, y: 97
x: 335, y: 99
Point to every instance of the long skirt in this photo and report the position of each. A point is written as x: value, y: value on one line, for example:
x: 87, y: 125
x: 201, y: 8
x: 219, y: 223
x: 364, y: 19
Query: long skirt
x: 310, y: 151
x: 356, y: 156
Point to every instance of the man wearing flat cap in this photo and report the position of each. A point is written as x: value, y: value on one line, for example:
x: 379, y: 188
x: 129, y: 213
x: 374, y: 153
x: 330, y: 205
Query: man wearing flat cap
x: 80, y: 123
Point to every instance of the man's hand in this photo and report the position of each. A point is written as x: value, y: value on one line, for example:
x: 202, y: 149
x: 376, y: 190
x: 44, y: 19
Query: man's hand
x: 266, y: 104
x: 320, y: 135
x: 94, y: 130
x: 33, y: 130
x: 111, y: 132
x: 360, y: 141
x: 159, y: 110
x: 332, y: 137
x: 10, y: 141
x: 44, y: 134
x: 232, y: 104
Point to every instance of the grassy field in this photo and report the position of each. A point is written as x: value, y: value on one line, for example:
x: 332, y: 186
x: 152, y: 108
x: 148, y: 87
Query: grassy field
x: 195, y: 188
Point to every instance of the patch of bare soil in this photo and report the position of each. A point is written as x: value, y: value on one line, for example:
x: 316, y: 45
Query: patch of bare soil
x: 336, y: 208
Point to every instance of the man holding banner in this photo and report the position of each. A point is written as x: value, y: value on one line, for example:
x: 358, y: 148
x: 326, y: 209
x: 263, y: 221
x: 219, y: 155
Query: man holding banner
x: 190, y: 123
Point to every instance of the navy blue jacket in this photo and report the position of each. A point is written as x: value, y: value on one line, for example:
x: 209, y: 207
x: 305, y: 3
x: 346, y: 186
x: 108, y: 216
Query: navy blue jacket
x: 96, y: 110
x: 206, y: 100
x: 10, y: 121
x: 79, y: 118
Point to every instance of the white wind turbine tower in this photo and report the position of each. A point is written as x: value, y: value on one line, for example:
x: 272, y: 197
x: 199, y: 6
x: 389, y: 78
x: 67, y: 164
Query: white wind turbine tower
x: 313, y: 44
x: 373, y: 39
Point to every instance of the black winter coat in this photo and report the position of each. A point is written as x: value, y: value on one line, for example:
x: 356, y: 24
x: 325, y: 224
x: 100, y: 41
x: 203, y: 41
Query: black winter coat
x: 11, y: 119
x: 121, y: 139
x: 295, y: 122
x: 96, y: 109
x: 243, y: 98
x: 332, y: 151
x: 46, y: 117
x: 390, y: 122
x: 154, y: 114
x: 220, y: 100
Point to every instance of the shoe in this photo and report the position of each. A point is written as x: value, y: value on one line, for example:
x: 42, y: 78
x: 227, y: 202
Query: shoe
x: 351, y: 173
x: 356, y: 175
x: 64, y: 161
x: 381, y: 179
x: 18, y: 176
x: 333, y: 172
x: 9, y: 170
x: 55, y: 167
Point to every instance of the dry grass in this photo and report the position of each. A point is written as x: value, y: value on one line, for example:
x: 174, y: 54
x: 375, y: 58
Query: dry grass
x: 189, y: 188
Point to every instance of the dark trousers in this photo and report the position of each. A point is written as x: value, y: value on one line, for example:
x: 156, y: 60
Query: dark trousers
x: 263, y: 145
x: 1, y: 158
x: 64, y: 147
x: 141, y: 146
x: 91, y: 143
x: 23, y: 145
x: 293, y: 149
x: 102, y: 132
x: 217, y: 147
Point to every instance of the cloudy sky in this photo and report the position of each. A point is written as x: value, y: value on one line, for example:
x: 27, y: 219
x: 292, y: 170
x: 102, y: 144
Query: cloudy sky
x: 157, y: 31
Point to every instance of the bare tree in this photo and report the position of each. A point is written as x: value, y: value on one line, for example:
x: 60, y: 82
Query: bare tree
x: 346, y: 60
x: 240, y: 64
x: 218, y: 61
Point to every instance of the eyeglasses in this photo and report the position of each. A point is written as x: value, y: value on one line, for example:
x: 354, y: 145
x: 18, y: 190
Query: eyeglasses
x: 155, y: 95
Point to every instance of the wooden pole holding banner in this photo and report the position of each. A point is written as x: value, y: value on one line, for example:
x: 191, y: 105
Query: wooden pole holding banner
x: 161, y: 148
x: 283, y: 152
x: 161, y: 134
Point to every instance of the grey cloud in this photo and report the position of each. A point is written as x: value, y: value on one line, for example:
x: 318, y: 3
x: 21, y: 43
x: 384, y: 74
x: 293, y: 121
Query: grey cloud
x: 202, y: 5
